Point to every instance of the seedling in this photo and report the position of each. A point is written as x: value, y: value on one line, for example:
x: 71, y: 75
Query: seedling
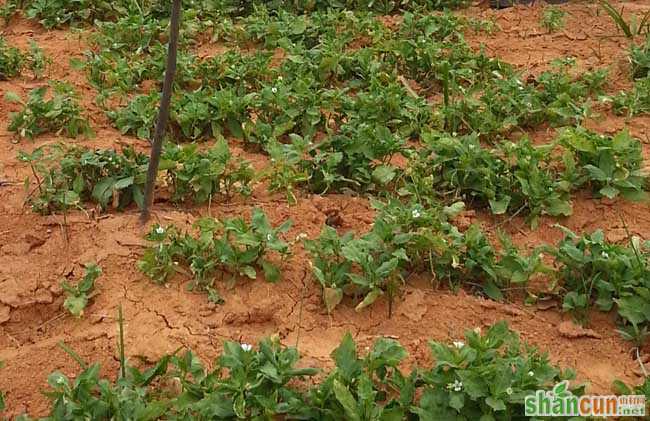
x: 78, y: 295
x: 553, y: 18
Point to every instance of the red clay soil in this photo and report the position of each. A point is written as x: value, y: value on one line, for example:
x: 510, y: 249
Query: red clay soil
x: 35, y: 255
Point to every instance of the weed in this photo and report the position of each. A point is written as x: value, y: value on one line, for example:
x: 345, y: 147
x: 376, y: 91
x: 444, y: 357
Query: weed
x: 77, y: 296
x: 552, y: 18
x: 631, y: 28
x: 61, y: 114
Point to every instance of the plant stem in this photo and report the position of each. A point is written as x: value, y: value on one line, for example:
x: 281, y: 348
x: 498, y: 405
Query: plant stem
x: 120, y: 345
x: 163, y: 114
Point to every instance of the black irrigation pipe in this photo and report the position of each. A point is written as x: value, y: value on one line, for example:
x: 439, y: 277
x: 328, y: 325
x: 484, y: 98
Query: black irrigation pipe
x: 163, y: 114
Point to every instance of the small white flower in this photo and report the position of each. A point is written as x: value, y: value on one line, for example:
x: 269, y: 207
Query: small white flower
x: 416, y: 214
x: 160, y: 230
x: 279, y: 77
x: 301, y: 236
x: 246, y: 347
x: 509, y: 391
x: 477, y: 330
x: 269, y: 237
x: 274, y: 90
x: 531, y: 374
x: 457, y: 386
x: 459, y: 344
x: 604, y: 255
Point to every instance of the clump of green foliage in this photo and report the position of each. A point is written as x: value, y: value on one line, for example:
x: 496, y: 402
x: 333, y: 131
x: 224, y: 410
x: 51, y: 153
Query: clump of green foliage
x: 68, y: 176
x: 224, y: 249
x: 552, y: 18
x: 11, y: 60
x: 488, y: 375
x: 407, y: 238
x: 634, y: 102
x: 77, y: 296
x: 61, y: 114
x: 611, y: 165
x: 596, y: 272
x: 640, y: 59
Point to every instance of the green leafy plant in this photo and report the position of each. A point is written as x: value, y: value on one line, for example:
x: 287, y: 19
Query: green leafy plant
x: 512, y: 178
x: 612, y: 165
x: 38, y: 61
x: 68, y: 176
x: 61, y: 114
x: 228, y: 248
x: 596, y: 272
x: 77, y: 296
x: 285, y: 171
x: 634, y: 102
x: 11, y: 60
x: 552, y: 18
x: 410, y: 237
x: 640, y: 59
x: 486, y: 376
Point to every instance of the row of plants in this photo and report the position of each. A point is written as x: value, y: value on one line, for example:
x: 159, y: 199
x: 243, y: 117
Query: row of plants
x: 588, y: 271
x: 68, y: 176
x: 321, y: 84
x: 518, y: 177
x: 488, y: 376
x: 507, y: 177
x: 83, y: 12
x: 406, y: 239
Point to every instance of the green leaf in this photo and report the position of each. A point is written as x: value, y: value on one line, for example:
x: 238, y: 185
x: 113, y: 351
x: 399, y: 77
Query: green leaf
x: 609, y: 192
x: 496, y: 404
x: 369, y: 299
x: 123, y: 183
x: 499, y: 207
x: 457, y: 401
x: 346, y: 358
x: 76, y: 304
x: 103, y: 191
x: 249, y: 271
x: 383, y: 174
x: 346, y: 400
x: 332, y: 297
x: 271, y: 271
